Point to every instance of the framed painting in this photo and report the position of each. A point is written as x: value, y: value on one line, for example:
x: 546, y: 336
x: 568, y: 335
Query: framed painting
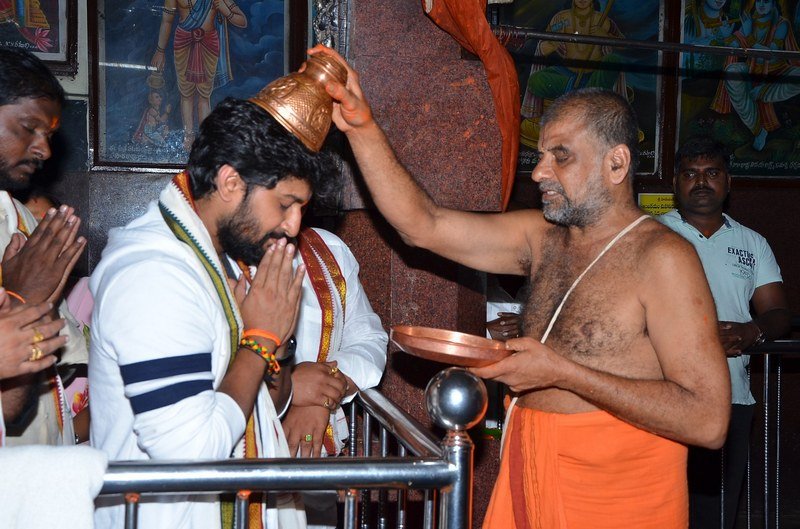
x: 159, y: 67
x: 750, y: 104
x: 45, y: 27
x: 548, y: 68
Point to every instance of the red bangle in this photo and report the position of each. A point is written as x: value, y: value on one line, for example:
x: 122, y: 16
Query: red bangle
x: 15, y: 295
x: 262, y: 334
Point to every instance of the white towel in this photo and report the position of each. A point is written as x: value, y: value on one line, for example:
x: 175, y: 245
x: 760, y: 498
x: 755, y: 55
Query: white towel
x: 50, y: 486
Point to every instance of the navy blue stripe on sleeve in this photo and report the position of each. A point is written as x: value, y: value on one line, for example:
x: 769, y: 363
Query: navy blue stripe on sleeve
x: 169, y: 395
x: 165, y: 367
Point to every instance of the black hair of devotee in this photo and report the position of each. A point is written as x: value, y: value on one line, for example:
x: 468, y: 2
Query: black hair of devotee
x: 702, y: 147
x: 246, y: 137
x: 608, y: 115
x: 23, y: 75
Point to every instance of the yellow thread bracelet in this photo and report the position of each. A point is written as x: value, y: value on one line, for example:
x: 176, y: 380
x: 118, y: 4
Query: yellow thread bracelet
x: 273, y: 367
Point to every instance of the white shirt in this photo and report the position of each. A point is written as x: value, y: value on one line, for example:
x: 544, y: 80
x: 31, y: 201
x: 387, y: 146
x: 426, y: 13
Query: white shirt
x: 359, y: 343
x: 359, y: 346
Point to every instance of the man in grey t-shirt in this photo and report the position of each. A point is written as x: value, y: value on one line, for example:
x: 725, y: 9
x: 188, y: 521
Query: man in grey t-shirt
x: 742, y: 272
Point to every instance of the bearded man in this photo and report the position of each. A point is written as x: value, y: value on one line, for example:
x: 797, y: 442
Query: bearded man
x: 195, y: 302
x: 37, y: 257
x: 620, y: 364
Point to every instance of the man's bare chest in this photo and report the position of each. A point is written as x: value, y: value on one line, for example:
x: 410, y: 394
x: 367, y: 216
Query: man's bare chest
x: 601, y: 316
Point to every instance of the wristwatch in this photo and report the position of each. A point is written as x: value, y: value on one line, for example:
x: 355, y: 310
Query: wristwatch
x: 761, y: 338
x: 291, y: 347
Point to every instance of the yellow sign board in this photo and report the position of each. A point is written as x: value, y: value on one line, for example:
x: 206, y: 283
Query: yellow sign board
x: 656, y: 203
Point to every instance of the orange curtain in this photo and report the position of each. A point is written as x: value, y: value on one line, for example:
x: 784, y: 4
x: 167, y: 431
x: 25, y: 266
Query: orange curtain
x: 465, y: 21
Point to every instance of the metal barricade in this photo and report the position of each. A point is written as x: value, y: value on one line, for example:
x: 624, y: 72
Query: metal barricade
x: 456, y: 400
x: 771, y: 398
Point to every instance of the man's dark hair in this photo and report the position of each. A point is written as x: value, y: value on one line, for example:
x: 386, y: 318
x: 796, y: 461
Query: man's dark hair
x: 23, y: 75
x: 702, y: 147
x: 241, y: 134
x: 607, y: 114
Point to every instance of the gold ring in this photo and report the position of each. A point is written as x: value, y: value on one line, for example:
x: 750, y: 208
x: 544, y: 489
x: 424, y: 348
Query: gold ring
x: 36, y: 353
x: 309, y: 437
x: 37, y: 335
x: 334, y: 370
x: 327, y: 403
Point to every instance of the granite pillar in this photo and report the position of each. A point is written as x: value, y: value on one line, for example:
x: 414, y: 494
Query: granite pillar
x: 437, y: 111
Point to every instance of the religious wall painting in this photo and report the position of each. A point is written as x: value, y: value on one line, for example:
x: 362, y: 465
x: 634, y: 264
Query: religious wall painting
x: 46, y: 28
x: 161, y: 66
x: 749, y: 104
x: 548, y: 69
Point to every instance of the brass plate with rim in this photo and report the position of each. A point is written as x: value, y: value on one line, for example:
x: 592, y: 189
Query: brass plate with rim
x: 448, y: 347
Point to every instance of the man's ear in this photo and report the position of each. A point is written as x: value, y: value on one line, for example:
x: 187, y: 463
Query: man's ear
x: 229, y: 184
x: 619, y: 159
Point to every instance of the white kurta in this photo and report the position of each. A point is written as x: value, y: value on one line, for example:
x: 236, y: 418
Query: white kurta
x: 358, y: 344
x: 358, y: 341
x: 160, y: 348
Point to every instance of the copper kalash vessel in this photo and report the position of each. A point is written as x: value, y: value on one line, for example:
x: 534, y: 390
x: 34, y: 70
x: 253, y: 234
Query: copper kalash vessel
x: 299, y: 101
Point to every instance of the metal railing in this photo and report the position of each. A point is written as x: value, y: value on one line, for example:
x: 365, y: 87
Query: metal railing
x: 506, y: 33
x: 773, y: 354
x: 456, y: 400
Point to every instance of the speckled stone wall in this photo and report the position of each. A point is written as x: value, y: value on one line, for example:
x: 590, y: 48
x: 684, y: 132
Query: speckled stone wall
x: 437, y: 111
x: 435, y: 106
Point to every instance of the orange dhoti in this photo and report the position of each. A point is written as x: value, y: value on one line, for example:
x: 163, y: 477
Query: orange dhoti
x: 587, y: 470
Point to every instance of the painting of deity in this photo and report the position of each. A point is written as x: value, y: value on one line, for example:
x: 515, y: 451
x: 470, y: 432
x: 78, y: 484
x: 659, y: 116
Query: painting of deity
x: 548, y: 69
x: 748, y: 103
x: 39, y: 26
x: 161, y: 66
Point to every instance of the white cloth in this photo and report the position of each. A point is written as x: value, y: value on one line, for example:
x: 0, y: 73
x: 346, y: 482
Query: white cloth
x: 358, y: 341
x: 42, y: 487
x: 2, y: 424
x: 498, y: 300
x: 43, y: 428
x: 358, y: 344
x: 494, y: 308
x: 160, y: 347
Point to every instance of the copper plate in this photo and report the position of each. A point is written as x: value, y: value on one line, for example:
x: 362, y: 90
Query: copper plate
x: 448, y: 347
